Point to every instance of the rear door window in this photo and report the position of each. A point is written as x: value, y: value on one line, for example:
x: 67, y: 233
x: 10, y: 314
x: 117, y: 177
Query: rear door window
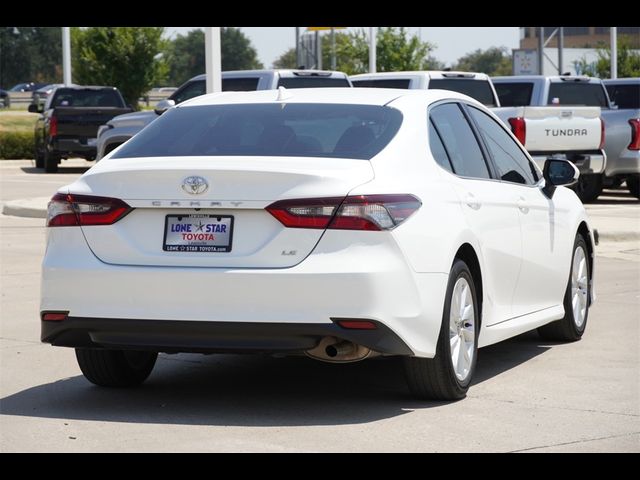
x: 517, y: 94
x: 625, y: 96
x: 577, y: 93
x: 459, y: 141
x: 241, y: 84
x: 437, y: 149
x: 189, y: 91
x: 477, y: 89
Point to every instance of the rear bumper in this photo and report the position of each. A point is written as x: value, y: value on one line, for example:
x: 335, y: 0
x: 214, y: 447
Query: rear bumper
x: 367, y: 279
x: 586, y: 162
x: 211, y: 337
x: 627, y: 163
x: 70, y: 146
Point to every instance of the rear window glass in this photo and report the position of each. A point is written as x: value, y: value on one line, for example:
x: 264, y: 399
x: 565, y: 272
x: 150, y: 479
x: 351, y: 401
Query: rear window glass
x: 71, y: 97
x: 625, y: 96
x: 313, y: 82
x: 383, y: 83
x: 514, y: 94
x: 577, y: 93
x: 478, y: 89
x: 280, y: 129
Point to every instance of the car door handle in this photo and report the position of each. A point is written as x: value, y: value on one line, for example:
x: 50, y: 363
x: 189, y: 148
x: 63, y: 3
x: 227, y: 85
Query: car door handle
x: 472, y: 202
x: 522, y: 205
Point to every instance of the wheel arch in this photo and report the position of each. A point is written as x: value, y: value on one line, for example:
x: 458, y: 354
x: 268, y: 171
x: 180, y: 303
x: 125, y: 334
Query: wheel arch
x: 468, y: 255
x: 587, y: 234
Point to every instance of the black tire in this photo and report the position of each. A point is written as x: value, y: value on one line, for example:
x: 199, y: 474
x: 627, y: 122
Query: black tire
x: 589, y: 187
x: 115, y: 368
x: 435, y: 378
x: 50, y: 162
x: 633, y: 184
x: 566, y: 329
x: 39, y: 158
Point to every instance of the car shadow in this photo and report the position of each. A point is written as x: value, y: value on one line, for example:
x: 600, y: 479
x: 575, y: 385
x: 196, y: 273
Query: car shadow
x: 618, y: 196
x: 61, y: 169
x: 250, y: 390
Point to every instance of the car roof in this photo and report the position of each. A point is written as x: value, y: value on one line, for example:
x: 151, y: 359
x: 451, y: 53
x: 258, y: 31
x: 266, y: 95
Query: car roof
x: 422, y: 73
x: 280, y: 71
x: 622, y: 81
x: 553, y: 78
x: 357, y: 96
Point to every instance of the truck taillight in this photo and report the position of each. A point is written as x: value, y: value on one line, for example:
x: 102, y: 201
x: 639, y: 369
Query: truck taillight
x: 635, y: 134
x: 69, y: 210
x: 602, y: 134
x: 519, y: 129
x: 357, y: 212
x: 53, y: 126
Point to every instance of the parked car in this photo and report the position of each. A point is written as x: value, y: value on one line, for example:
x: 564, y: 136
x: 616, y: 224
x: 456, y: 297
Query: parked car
x: 568, y: 91
x: 27, y: 87
x: 122, y: 128
x: 625, y: 94
x: 69, y: 122
x: 544, y: 131
x: 335, y: 223
x: 476, y: 85
x: 41, y: 94
x: 5, y: 100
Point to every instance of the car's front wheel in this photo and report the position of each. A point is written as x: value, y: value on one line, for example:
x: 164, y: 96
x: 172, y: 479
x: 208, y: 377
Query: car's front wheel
x: 115, y: 368
x: 448, y: 375
x: 576, y: 299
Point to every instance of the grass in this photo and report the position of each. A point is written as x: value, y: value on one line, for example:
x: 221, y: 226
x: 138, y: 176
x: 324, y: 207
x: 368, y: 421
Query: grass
x: 12, y: 121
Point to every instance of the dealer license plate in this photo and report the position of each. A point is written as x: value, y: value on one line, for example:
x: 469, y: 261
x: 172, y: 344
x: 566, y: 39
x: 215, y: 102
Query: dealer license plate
x: 198, y: 233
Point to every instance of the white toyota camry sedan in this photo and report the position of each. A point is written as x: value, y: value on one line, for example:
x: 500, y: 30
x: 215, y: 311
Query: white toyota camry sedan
x: 340, y: 224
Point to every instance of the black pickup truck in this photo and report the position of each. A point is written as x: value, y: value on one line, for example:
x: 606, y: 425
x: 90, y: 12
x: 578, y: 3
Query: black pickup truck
x: 69, y: 122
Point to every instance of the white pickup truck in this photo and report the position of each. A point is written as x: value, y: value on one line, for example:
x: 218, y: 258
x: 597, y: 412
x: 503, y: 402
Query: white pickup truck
x: 572, y: 133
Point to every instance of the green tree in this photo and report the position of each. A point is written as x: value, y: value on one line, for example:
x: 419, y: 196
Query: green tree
x: 628, y: 62
x: 30, y: 54
x: 492, y: 61
x: 124, y: 57
x: 286, y: 60
x: 186, y: 59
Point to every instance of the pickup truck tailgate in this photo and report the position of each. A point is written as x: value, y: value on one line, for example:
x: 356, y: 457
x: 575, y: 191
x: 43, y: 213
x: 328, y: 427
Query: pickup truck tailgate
x: 83, y: 122
x: 561, y: 128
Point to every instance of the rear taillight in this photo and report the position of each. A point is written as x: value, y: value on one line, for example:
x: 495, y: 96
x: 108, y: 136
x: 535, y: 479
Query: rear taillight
x: 69, y: 210
x: 602, y: 135
x: 53, y: 126
x: 519, y: 129
x: 635, y: 134
x: 358, y: 212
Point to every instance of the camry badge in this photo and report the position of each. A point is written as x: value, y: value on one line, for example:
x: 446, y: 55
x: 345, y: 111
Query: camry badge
x: 195, y: 185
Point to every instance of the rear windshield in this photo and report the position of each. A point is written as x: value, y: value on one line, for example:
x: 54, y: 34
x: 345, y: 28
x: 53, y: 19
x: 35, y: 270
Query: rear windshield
x: 313, y: 82
x: 577, y: 93
x: 478, y: 89
x: 280, y: 129
x: 625, y: 96
x: 90, y: 97
x: 383, y: 83
x: 514, y: 94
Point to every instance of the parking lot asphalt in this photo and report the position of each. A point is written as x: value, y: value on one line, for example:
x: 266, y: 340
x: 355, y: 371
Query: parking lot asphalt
x: 528, y: 395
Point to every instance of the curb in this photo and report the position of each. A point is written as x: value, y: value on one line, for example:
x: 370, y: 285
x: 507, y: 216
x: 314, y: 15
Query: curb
x: 32, y: 208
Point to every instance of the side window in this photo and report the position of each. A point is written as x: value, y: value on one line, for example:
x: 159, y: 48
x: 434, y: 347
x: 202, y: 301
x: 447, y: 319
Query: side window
x: 459, y: 141
x: 437, y: 149
x: 193, y: 89
x: 512, y: 164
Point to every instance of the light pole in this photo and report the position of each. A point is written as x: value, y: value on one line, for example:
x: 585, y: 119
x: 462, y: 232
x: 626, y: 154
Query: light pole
x: 66, y: 55
x: 213, y: 59
x: 372, y: 49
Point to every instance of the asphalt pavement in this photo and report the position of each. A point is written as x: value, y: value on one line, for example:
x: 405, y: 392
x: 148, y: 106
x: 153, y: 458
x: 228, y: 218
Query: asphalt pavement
x: 528, y: 395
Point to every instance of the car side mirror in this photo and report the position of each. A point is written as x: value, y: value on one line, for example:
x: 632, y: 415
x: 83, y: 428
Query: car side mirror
x: 558, y: 172
x: 163, y: 106
x: 35, y: 108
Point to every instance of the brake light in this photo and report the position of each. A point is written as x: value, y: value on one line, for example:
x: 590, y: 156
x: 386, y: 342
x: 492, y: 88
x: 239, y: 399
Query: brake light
x: 69, y: 210
x: 361, y: 212
x: 53, y: 126
x: 635, y: 134
x: 602, y: 135
x: 519, y: 129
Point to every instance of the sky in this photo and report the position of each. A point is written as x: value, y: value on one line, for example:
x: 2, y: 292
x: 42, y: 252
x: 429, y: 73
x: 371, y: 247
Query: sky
x: 451, y: 42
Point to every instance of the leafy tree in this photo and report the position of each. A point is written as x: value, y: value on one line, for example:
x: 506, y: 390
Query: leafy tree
x: 30, y: 54
x: 124, y: 57
x: 492, y: 61
x: 186, y: 54
x: 628, y: 62
x: 286, y: 60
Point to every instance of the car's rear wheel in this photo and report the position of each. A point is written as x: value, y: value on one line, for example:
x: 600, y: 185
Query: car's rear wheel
x: 633, y: 184
x: 576, y: 299
x: 115, y: 368
x: 50, y: 162
x: 448, y: 375
x: 37, y: 155
x: 589, y: 187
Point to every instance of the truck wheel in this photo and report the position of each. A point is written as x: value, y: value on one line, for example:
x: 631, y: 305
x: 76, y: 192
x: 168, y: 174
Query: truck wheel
x: 39, y: 158
x: 633, y: 184
x: 589, y: 187
x: 50, y: 162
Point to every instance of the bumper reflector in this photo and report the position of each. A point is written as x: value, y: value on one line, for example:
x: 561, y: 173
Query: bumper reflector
x: 54, y: 316
x: 357, y: 324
